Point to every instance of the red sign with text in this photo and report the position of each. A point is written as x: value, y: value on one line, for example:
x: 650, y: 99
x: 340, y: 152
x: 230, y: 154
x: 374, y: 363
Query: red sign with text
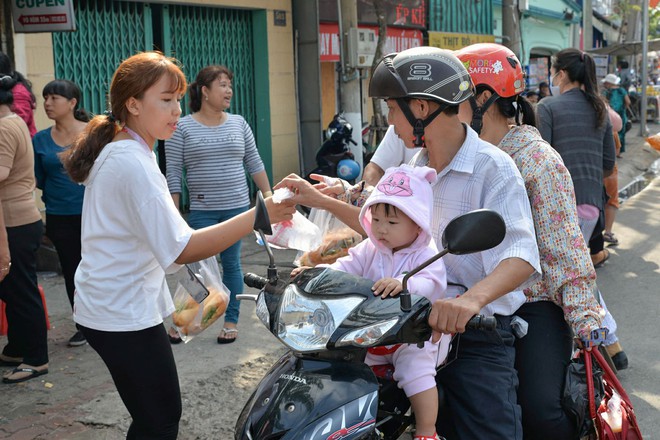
x: 397, y: 40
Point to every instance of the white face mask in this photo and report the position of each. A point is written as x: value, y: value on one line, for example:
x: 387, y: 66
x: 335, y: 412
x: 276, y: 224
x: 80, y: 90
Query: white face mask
x: 554, y: 89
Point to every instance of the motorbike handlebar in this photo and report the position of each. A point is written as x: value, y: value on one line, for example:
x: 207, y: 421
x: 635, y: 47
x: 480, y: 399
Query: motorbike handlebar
x: 477, y: 322
x: 481, y: 322
x: 254, y: 280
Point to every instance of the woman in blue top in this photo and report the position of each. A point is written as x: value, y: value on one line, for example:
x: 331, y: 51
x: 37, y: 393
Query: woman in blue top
x: 63, y: 198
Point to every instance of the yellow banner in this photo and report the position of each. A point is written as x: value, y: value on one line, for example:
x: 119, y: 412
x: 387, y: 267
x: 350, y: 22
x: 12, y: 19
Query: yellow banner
x: 454, y: 41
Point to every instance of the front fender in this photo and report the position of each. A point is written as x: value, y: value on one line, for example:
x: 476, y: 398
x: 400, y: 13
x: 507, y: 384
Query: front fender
x: 310, y: 399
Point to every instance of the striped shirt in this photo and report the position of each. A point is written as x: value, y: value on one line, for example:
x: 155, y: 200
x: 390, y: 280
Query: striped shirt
x: 568, y: 123
x: 215, y: 160
x: 482, y: 176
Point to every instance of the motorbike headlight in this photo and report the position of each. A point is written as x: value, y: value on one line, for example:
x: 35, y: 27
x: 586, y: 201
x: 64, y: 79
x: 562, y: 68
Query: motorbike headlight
x: 262, y: 310
x: 306, y: 323
x: 367, y: 336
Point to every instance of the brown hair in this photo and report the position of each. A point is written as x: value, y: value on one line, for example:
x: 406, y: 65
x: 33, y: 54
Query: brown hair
x: 133, y: 77
x: 204, y: 78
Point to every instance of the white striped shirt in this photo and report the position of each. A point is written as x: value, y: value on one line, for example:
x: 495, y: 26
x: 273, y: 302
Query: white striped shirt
x: 215, y: 159
x: 483, y: 176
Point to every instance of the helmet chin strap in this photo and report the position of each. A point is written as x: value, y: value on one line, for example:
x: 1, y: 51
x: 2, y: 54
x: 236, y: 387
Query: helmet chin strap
x: 419, y: 124
x: 478, y: 112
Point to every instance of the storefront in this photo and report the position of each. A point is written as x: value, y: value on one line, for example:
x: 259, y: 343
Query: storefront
x: 398, y: 39
x: 406, y: 20
x: 241, y: 34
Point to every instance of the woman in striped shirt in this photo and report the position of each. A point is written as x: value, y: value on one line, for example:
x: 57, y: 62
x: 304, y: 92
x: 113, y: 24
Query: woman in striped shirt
x: 215, y: 148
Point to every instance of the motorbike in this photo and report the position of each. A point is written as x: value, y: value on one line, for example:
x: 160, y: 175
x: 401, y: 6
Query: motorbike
x: 321, y: 389
x: 334, y: 158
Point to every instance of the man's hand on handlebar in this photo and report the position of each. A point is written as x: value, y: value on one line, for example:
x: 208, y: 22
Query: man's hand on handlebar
x: 450, y: 315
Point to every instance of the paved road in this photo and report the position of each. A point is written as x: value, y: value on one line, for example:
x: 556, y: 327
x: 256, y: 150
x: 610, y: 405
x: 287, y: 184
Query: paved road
x: 77, y: 400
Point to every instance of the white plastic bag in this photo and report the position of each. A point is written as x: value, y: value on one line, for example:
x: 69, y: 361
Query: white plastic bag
x: 200, y: 298
x: 297, y: 233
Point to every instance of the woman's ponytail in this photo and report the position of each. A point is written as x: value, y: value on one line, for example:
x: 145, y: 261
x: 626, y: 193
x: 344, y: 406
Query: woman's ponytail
x: 80, y: 157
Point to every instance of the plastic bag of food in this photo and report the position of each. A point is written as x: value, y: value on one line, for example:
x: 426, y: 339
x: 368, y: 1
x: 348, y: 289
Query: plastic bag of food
x: 200, y: 298
x: 654, y: 141
x: 335, y: 244
x: 337, y: 239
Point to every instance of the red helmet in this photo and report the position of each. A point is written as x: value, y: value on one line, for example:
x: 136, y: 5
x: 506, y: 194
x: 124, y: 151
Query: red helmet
x: 495, y: 66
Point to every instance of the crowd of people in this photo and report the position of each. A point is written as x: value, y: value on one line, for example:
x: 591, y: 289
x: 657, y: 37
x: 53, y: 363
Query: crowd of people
x: 475, y: 140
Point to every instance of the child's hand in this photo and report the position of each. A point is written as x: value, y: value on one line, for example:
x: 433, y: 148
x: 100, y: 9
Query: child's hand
x: 298, y: 270
x: 387, y: 287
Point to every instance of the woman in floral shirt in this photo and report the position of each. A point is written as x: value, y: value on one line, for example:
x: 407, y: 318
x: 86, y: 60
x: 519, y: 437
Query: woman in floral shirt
x: 562, y: 303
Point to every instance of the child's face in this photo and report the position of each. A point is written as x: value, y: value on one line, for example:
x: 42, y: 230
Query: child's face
x: 393, y: 229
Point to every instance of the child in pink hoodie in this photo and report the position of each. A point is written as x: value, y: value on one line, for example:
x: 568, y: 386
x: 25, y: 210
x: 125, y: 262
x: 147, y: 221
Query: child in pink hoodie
x: 397, y: 219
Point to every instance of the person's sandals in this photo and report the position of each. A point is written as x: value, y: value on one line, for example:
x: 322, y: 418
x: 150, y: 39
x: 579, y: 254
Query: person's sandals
x: 600, y: 258
x: 228, y: 335
x: 426, y: 437
x: 610, y: 238
x: 33, y: 372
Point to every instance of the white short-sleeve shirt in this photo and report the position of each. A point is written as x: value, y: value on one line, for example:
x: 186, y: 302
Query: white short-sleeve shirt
x: 483, y: 176
x: 392, y: 151
x: 131, y: 235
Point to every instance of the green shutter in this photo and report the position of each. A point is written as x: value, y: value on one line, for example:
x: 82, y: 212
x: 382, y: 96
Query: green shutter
x: 108, y: 32
x: 201, y: 36
x: 464, y: 16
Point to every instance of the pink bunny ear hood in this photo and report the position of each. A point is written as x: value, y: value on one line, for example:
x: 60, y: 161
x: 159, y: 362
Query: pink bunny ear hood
x: 409, y: 189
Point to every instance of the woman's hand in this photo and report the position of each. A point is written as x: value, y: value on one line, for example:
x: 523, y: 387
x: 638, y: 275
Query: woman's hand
x: 304, y: 193
x: 330, y: 186
x: 298, y: 270
x: 5, y: 262
x: 279, y: 212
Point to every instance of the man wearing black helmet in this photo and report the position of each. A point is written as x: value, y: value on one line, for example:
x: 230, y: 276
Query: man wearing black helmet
x: 423, y: 88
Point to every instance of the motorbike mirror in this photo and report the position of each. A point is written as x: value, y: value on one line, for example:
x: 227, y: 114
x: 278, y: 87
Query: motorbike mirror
x: 261, y: 219
x: 474, y: 231
x: 263, y: 228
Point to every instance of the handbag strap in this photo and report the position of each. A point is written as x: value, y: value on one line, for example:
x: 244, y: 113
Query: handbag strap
x: 610, y: 376
x: 588, y: 368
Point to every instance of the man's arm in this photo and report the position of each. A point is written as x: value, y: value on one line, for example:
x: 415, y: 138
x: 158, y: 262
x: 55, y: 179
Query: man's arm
x: 372, y: 173
x: 450, y: 315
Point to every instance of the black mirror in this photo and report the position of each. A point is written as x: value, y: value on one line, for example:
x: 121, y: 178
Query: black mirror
x: 474, y: 231
x: 261, y: 219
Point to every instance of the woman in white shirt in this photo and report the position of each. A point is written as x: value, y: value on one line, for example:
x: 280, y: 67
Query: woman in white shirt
x: 132, y: 235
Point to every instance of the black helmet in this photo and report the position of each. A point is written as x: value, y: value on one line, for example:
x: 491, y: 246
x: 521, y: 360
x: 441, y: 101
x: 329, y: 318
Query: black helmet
x: 422, y: 72
x: 339, y: 129
x: 426, y: 73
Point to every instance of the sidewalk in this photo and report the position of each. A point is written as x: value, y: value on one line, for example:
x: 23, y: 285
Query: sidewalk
x: 77, y: 399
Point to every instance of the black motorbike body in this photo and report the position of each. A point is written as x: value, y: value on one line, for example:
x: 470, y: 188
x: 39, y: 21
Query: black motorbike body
x: 333, y: 394
x: 322, y: 389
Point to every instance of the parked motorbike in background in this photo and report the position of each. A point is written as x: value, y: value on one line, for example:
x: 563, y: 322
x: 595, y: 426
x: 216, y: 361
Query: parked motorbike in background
x: 321, y: 389
x: 334, y: 158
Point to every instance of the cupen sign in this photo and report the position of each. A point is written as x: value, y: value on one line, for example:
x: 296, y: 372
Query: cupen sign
x: 454, y: 41
x: 43, y: 15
